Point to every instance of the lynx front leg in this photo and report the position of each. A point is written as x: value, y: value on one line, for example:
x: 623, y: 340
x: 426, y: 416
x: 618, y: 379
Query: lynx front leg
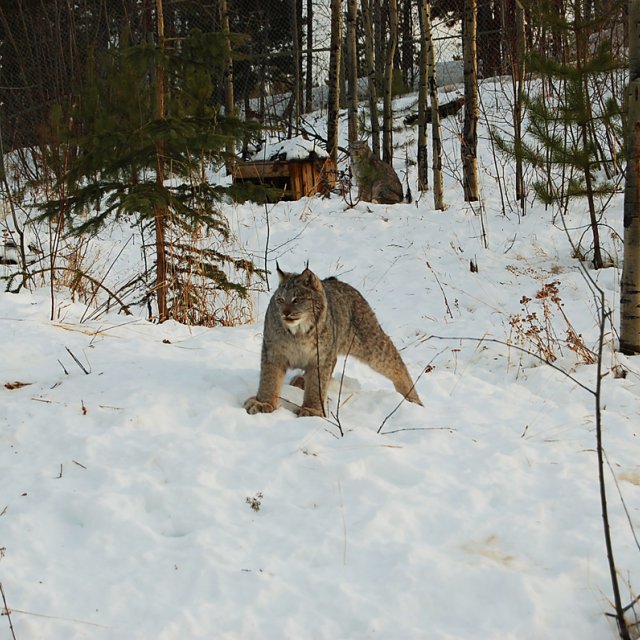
x: 271, y: 377
x: 316, y: 388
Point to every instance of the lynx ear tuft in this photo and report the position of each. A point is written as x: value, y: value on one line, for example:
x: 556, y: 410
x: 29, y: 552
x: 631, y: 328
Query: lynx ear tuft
x: 282, y: 276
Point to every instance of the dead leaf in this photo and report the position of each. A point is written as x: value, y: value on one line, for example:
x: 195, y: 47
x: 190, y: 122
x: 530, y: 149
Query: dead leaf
x: 16, y: 385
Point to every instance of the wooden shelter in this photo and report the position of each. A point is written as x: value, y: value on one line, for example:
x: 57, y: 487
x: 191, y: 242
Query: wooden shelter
x: 295, y: 168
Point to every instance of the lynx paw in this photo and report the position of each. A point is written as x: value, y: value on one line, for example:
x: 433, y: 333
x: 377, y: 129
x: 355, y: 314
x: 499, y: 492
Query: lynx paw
x: 253, y: 406
x: 305, y: 412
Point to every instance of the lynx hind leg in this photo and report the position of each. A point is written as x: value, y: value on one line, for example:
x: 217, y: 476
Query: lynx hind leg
x: 384, y: 358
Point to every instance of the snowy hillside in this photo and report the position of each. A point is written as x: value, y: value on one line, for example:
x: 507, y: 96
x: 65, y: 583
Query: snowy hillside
x: 140, y: 501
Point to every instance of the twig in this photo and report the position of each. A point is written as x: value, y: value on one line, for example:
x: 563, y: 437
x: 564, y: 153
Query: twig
x: 444, y: 295
x: 413, y: 386
x: 336, y: 415
x: 617, y: 600
x: 266, y: 243
x: 517, y: 348
x: 74, y: 620
x: 603, y: 317
x: 7, y: 612
x: 101, y: 284
x: 97, y: 283
x: 78, y: 361
x: 624, y: 504
x: 386, y: 433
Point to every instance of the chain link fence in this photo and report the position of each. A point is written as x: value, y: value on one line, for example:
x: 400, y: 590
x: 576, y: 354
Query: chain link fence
x: 49, y: 47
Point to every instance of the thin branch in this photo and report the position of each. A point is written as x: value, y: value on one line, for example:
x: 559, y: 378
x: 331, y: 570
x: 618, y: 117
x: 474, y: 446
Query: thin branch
x: 104, y: 277
x: 386, y: 433
x: 518, y: 348
x: 413, y: 386
x: 444, y: 295
x: 622, y: 624
x: 84, y: 369
x: 603, y: 317
x: 7, y: 612
x: 336, y: 415
x: 91, y: 279
x: 266, y: 243
x: 624, y: 504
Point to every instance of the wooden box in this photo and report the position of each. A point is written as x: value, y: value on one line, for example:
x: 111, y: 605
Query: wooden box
x: 294, y: 178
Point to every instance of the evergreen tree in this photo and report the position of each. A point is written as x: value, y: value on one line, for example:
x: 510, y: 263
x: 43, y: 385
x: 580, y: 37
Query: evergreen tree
x: 564, y: 129
x: 136, y: 162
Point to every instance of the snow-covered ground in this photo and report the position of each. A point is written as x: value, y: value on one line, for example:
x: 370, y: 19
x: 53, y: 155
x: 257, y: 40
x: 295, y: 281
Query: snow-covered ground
x: 138, y: 500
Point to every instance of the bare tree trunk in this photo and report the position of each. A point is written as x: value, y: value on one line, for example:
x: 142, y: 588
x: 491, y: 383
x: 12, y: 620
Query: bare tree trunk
x: 518, y: 73
x: 228, y: 74
x: 371, y: 76
x: 308, y: 104
x: 470, y: 133
x: 229, y: 103
x: 438, y: 188
x: 352, y: 70
x: 334, y: 79
x: 377, y: 16
x: 387, y: 115
x: 160, y: 212
x: 586, y: 139
x: 436, y: 139
x: 423, y: 88
x: 296, y: 25
x: 407, y: 43
x: 630, y: 284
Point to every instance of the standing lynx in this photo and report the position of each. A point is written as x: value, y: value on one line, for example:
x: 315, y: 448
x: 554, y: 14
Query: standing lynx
x: 309, y: 322
x: 377, y: 180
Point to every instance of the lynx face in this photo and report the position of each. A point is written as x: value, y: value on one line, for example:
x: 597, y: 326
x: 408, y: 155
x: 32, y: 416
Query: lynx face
x: 295, y: 300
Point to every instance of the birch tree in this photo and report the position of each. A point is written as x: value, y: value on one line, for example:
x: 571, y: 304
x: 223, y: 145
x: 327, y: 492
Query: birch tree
x: 308, y: 104
x: 160, y: 209
x: 296, y: 36
x: 352, y: 70
x: 429, y: 86
x: 387, y: 117
x: 334, y: 80
x: 515, y: 46
x: 630, y: 284
x: 372, y: 81
x: 425, y: 45
x: 428, y: 70
x: 229, y: 101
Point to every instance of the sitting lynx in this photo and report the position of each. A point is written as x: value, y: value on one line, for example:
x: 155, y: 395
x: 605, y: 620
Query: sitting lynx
x: 377, y: 181
x: 308, y: 323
